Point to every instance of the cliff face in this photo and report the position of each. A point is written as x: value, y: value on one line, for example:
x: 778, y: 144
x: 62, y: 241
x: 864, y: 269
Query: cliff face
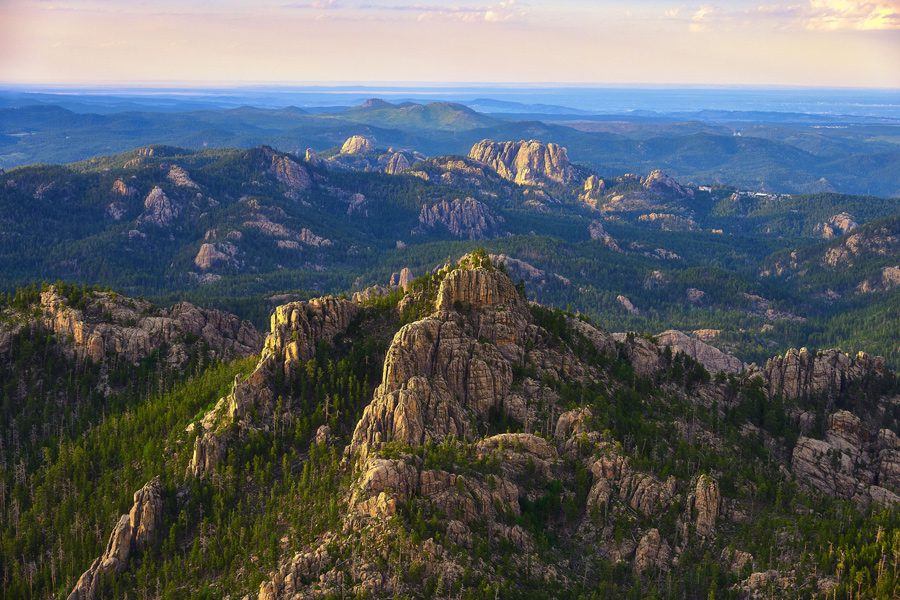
x: 525, y: 162
x: 853, y: 462
x: 465, y: 219
x: 803, y: 373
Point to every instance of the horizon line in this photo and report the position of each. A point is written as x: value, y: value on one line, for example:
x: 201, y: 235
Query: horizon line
x: 212, y: 85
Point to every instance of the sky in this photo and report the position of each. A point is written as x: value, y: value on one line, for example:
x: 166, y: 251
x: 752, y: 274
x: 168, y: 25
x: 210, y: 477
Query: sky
x: 829, y: 43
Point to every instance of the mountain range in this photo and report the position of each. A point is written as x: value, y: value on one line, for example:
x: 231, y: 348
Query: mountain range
x: 404, y: 350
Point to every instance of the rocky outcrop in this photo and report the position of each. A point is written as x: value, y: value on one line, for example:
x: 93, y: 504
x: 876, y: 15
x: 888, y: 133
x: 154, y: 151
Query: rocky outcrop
x: 286, y: 171
x: 710, y: 357
x: 180, y: 178
x: 116, y: 210
x: 211, y: 256
x: 296, y: 330
x: 838, y: 225
x: 593, y: 191
x: 661, y: 184
x: 465, y: 219
x: 706, y: 501
x: 669, y: 222
x: 298, y: 327
x: 888, y: 279
x: 615, y: 480
x: 706, y: 335
x: 397, y: 163
x: 357, y: 144
x: 312, y: 157
x: 652, y: 554
x: 135, y: 532
x: 310, y: 239
x: 644, y: 355
x: 627, y: 304
x: 159, y: 210
x: 880, y: 241
x: 454, y: 368
x: 120, y: 188
x: 598, y: 233
x: 801, y: 373
x: 852, y: 462
x: 694, y: 295
x: 525, y: 163
x: 132, y: 329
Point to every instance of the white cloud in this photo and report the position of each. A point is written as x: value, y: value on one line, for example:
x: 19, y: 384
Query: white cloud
x: 699, y: 21
x: 832, y: 15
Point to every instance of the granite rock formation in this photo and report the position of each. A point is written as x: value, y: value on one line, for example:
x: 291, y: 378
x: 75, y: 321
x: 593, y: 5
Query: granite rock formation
x: 525, y: 162
x: 464, y: 219
x: 134, y: 532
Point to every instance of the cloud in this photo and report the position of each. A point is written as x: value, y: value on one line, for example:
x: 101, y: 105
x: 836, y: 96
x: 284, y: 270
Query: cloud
x: 833, y: 15
x: 816, y: 15
x: 505, y: 10
x: 699, y: 21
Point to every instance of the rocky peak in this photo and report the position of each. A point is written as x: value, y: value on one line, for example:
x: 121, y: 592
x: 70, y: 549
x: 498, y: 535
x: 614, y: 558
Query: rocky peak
x: 357, y: 144
x: 451, y: 370
x: 312, y: 157
x: 525, y: 162
x: 134, y: 532
x: 297, y: 328
x: 476, y: 283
